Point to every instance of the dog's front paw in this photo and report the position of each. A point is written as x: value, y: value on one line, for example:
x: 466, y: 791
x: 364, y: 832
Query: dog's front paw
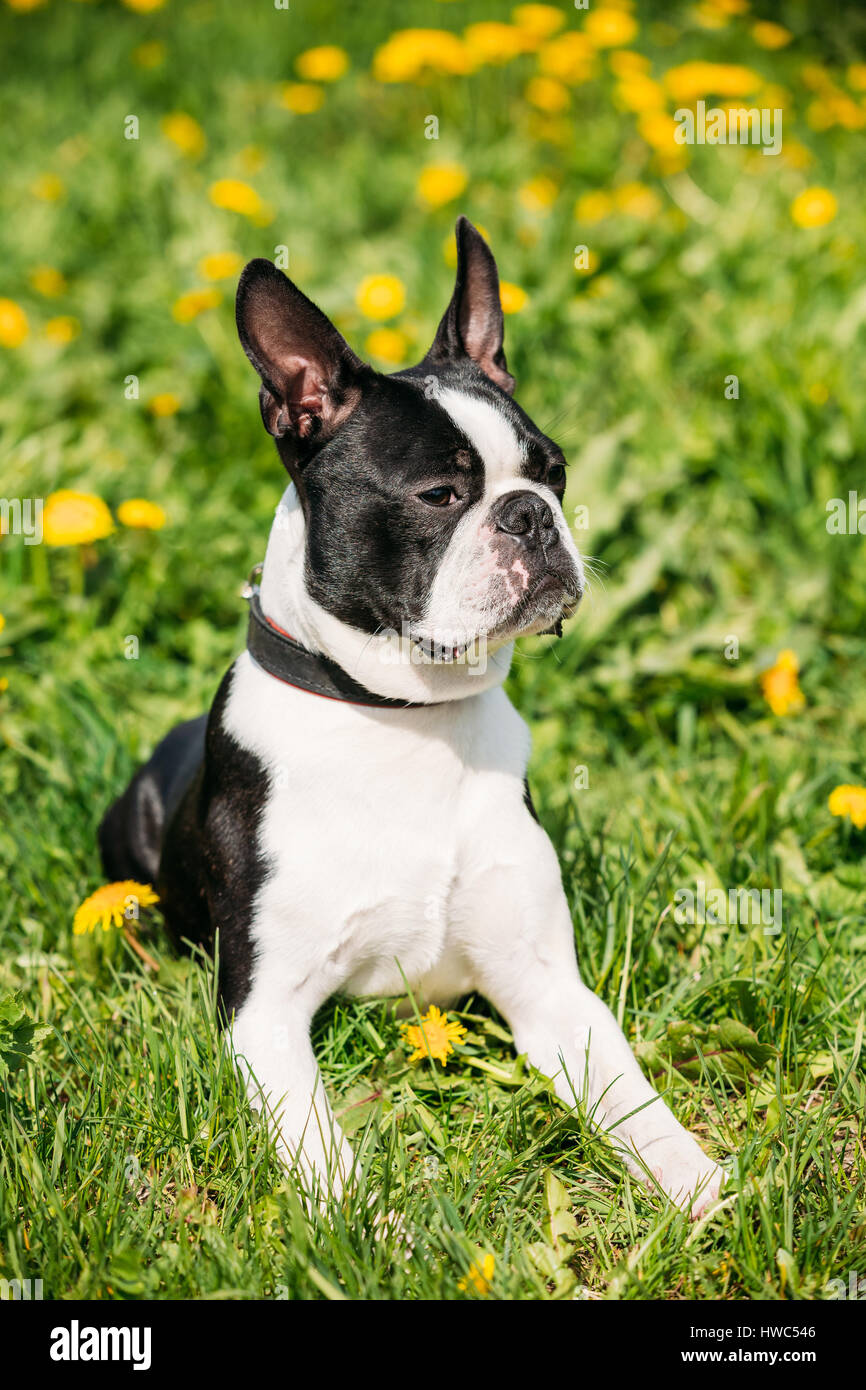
x: 684, y: 1173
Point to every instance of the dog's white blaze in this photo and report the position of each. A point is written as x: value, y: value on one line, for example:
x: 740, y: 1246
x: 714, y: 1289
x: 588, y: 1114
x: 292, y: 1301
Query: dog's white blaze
x: 491, y: 434
x: 459, y: 610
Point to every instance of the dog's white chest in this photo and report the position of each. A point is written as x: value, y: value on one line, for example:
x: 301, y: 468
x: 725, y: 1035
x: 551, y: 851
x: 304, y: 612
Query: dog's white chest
x: 370, y: 822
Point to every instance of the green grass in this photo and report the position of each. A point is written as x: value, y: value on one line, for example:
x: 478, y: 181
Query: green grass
x: 131, y: 1164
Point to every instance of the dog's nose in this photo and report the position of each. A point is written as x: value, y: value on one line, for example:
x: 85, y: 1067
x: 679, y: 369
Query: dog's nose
x: 528, y: 518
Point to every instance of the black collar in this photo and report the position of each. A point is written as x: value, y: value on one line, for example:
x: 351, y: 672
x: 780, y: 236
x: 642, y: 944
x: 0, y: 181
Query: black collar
x: 281, y: 656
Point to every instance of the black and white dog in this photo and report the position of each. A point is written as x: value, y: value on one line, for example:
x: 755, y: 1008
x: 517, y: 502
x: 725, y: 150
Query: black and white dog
x: 353, y: 814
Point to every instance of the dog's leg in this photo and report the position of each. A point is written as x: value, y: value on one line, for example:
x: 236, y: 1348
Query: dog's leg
x: 271, y: 1041
x: 517, y: 930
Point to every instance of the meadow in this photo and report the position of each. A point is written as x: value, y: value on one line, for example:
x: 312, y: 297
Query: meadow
x: 688, y: 322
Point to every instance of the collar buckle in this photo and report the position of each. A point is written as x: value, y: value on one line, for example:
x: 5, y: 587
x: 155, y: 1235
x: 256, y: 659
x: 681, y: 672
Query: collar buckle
x: 252, y: 584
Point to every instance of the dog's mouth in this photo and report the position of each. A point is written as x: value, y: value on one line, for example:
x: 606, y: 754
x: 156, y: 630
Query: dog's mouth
x: 550, y: 600
x: 547, y: 603
x: 449, y: 652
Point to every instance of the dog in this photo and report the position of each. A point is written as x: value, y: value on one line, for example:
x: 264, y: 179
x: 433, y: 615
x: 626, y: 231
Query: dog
x: 353, y: 813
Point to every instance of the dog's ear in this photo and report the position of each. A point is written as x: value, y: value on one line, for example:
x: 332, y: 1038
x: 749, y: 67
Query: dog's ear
x: 472, y: 325
x: 311, y: 378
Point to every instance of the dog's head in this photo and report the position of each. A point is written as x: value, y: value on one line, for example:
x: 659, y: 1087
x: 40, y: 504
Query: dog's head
x: 432, y: 505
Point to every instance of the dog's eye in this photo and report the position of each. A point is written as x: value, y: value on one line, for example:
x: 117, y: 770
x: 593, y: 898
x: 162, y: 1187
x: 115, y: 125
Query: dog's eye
x: 556, y: 474
x: 439, y: 496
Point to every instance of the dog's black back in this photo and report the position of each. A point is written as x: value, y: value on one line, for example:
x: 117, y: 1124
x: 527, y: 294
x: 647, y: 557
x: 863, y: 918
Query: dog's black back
x: 132, y: 830
x: 187, y: 824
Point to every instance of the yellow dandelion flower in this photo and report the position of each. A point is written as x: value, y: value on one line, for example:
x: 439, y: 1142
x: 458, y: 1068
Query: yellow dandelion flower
x: 512, y: 297
x: 610, y: 28
x: 709, y: 17
x: 164, y: 405
x: 13, y: 324
x: 380, y: 296
x: 538, y: 21
x: 569, y: 57
x: 491, y: 41
x: 856, y: 75
x: 547, y: 94
x: 47, y: 281
x: 624, y: 63
x: 4, y: 684
x: 236, y: 196
x: 538, y: 194
x: 479, y: 1277
x: 2, y: 622
x: 188, y: 306
x: 780, y: 685
x: 75, y: 518
x: 62, y: 330
x: 144, y: 6
x: 851, y: 802
x: 411, y: 55
x: 388, y: 345
x: 637, y: 200
x: 49, y: 187
x: 814, y: 207
x: 324, y: 64
x: 819, y: 393
x: 770, y: 35
x: 592, y: 207
x: 435, y: 1036
x: 141, y: 515
x: 697, y: 78
x: 847, y: 112
x: 112, y: 905
x: 220, y: 265
x: 637, y: 92
x: 25, y: 6
x: 184, y: 132
x: 301, y: 97
x: 439, y: 184
x: 150, y: 54
x: 658, y: 129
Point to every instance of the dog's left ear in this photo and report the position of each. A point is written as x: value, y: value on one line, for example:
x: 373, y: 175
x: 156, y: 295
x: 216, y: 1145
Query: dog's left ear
x: 472, y: 325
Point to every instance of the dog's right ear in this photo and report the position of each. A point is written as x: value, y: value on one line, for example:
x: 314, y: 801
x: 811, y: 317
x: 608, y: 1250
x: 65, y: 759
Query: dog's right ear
x: 311, y: 378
